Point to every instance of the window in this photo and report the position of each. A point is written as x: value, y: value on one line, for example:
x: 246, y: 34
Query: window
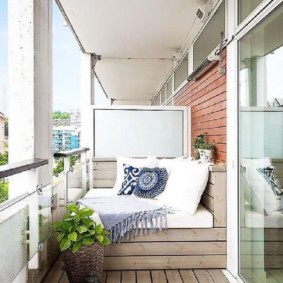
x: 163, y: 96
x: 181, y: 73
x: 210, y: 37
x: 169, y: 88
x: 246, y: 7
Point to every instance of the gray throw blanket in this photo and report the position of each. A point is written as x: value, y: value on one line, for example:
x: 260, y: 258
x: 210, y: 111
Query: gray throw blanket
x: 123, y: 214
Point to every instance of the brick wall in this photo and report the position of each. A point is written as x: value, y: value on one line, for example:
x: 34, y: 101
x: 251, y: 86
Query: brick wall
x: 207, y: 98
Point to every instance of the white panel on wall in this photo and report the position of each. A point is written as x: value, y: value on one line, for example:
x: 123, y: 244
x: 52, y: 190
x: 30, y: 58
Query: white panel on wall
x: 139, y: 132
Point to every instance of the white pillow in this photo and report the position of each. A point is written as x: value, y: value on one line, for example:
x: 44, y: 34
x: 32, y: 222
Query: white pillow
x: 185, y: 186
x: 170, y: 163
x: 149, y: 162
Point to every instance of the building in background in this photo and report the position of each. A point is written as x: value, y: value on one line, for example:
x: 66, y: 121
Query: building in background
x: 75, y: 118
x: 2, y: 133
x: 61, y: 122
x: 65, y: 138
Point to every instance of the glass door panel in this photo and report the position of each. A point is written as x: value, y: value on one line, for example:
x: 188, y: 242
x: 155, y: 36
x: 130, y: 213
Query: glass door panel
x: 261, y: 151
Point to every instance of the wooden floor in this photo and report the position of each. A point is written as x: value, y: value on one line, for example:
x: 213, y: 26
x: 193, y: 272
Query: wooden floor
x: 57, y: 275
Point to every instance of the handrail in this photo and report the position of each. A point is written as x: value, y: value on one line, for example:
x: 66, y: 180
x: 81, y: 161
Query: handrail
x: 22, y: 166
x: 68, y: 153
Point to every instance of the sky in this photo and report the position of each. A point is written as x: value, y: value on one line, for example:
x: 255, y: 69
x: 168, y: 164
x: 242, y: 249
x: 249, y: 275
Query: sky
x: 66, y: 63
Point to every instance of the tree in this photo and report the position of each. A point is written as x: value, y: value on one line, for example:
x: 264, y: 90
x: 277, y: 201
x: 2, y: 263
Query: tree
x: 60, y: 164
x: 6, y: 125
x: 3, y: 191
x: 61, y: 115
x: 4, y: 158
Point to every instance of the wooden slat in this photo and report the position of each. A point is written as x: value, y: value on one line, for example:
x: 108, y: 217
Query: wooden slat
x: 158, y: 276
x: 205, y: 234
x: 143, y: 277
x: 104, y: 165
x: 56, y: 273
x: 217, y: 276
x: 173, y: 276
x: 113, y: 277
x: 128, y: 277
x: 210, y: 190
x: 203, y: 276
x: 188, y: 276
x: 207, y: 201
x: 164, y: 262
x: 104, y: 174
x: 166, y: 248
x: 220, y: 203
x: 103, y: 183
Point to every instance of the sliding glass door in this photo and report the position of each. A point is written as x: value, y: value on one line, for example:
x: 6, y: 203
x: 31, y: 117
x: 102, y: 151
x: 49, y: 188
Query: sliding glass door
x: 261, y: 150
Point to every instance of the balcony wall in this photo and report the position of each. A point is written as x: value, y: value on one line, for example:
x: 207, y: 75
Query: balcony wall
x: 207, y: 98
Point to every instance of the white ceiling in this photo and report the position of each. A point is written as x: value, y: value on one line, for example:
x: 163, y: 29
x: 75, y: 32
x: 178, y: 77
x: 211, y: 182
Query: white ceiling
x: 149, y: 32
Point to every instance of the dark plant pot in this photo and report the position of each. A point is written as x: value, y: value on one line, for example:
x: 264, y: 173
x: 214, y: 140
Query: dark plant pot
x: 86, y: 265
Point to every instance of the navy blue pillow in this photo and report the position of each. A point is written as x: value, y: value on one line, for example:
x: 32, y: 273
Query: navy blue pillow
x: 151, y: 182
x: 130, y: 180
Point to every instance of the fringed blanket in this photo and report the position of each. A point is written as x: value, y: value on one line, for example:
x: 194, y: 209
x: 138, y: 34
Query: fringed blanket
x: 123, y: 216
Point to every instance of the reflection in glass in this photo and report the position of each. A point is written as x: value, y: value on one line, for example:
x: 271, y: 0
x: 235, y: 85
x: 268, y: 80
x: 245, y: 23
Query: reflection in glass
x: 261, y: 151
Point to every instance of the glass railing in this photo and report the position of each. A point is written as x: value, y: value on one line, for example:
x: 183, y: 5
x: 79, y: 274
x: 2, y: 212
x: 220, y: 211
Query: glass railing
x: 25, y: 214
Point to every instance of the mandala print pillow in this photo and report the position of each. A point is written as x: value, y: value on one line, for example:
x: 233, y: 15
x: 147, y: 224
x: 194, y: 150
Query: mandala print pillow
x: 271, y: 179
x: 151, y: 182
x: 130, y: 180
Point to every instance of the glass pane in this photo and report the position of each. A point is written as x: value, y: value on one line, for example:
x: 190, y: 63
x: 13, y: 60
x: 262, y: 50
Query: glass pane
x: 163, y: 95
x: 210, y: 36
x: 261, y: 151
x: 181, y: 73
x: 169, y: 88
x: 14, y: 253
x: 246, y: 7
x: 3, y: 84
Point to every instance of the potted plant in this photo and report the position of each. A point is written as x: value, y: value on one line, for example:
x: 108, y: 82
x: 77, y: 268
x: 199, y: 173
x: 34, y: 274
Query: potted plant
x: 203, y: 150
x: 82, y: 242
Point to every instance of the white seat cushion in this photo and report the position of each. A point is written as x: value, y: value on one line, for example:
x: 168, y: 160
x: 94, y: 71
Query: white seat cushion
x: 202, y: 218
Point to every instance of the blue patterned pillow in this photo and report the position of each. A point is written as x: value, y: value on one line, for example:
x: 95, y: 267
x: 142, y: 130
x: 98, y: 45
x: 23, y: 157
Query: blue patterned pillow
x: 151, y: 182
x: 130, y: 180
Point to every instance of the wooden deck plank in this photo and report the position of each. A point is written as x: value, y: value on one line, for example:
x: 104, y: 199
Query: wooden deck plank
x: 143, y: 277
x: 104, y: 277
x: 113, y: 277
x: 56, y: 272
x: 202, y: 275
x: 128, y: 276
x: 188, y: 276
x: 173, y: 276
x: 217, y: 276
x: 158, y: 276
x: 64, y: 278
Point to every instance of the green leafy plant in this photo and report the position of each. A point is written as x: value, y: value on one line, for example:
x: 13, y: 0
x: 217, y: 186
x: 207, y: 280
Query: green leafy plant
x: 60, y: 164
x: 78, y: 229
x: 200, y: 142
